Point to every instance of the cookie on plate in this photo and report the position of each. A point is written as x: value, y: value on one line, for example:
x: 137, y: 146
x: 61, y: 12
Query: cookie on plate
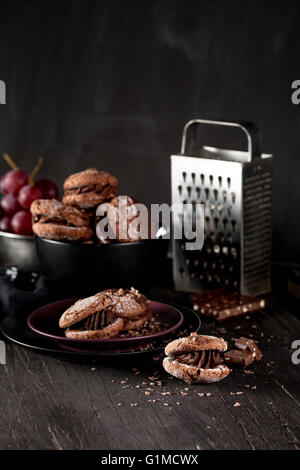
x: 87, y: 189
x: 105, y: 314
x: 91, y: 318
x: 196, y: 359
x: 56, y: 221
x: 128, y: 304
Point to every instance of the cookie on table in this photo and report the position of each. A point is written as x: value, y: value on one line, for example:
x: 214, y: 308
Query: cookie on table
x: 56, y: 221
x: 196, y: 359
x: 87, y: 189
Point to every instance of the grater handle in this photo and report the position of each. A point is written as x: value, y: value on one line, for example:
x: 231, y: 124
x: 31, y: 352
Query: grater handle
x: 248, y: 128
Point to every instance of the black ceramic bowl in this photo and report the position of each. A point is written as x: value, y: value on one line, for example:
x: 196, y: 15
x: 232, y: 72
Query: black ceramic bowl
x: 18, y: 250
x: 85, y: 268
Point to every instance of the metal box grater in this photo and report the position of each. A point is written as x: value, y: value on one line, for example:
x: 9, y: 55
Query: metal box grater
x: 235, y: 188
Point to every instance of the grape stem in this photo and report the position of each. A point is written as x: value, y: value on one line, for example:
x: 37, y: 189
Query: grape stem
x: 35, y: 170
x: 10, y: 161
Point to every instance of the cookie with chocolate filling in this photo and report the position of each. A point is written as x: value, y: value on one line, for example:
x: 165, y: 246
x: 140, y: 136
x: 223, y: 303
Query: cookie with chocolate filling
x: 196, y: 359
x: 56, y: 221
x: 91, y: 318
x: 129, y: 304
x: 124, y: 218
x: 101, y: 325
x: 83, y: 308
x: 87, y: 189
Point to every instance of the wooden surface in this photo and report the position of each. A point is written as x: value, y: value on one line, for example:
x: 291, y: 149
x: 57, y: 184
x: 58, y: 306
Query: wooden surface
x: 48, y: 403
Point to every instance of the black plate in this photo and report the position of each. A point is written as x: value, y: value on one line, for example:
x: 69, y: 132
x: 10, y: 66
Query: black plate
x: 16, y: 330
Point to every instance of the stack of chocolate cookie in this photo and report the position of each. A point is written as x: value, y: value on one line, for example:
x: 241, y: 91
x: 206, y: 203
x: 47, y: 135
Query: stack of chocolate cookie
x: 74, y: 219
x: 106, y: 314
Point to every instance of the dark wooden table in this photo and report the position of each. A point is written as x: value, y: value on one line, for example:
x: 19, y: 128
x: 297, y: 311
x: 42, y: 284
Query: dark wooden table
x: 48, y: 403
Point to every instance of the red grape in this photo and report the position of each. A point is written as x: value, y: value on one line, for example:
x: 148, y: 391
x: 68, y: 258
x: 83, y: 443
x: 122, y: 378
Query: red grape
x: 49, y: 189
x: 13, y: 181
x: 28, y: 194
x: 21, y: 223
x: 5, y: 224
x: 9, y: 204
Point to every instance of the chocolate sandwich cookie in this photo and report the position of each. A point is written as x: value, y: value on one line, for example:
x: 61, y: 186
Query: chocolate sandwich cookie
x: 91, y: 318
x: 83, y: 308
x: 56, y: 221
x: 87, y: 189
x: 128, y: 304
x: 101, y: 325
x: 196, y: 359
x: 124, y: 217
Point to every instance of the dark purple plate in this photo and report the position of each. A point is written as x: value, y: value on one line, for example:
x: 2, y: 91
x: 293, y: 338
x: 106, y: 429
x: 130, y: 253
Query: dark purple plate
x: 15, y: 329
x: 44, y: 321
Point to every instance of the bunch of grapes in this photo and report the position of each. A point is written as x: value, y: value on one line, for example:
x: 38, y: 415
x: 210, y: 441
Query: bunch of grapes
x: 19, y: 191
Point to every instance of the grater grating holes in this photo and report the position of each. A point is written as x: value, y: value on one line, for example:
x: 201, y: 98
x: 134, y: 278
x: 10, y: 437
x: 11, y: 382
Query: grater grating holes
x: 209, y: 264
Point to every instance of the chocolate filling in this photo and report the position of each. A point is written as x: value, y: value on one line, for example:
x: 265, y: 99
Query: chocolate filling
x: 45, y: 219
x: 201, y: 359
x: 97, y: 321
x: 87, y: 188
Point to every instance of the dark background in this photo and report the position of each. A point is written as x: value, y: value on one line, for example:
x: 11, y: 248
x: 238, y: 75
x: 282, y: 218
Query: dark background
x: 111, y: 84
